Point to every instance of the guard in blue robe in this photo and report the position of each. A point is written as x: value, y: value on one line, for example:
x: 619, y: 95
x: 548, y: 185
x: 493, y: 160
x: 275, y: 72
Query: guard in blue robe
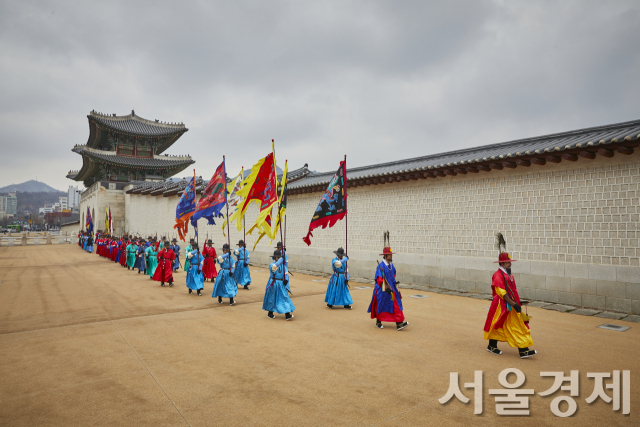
x: 276, y: 297
x: 140, y: 263
x: 89, y: 243
x: 283, y: 251
x: 338, y: 289
x: 119, y: 251
x: 176, y: 250
x: 84, y: 242
x: 195, y: 279
x: 225, y: 286
x: 242, y: 275
x: 386, y: 301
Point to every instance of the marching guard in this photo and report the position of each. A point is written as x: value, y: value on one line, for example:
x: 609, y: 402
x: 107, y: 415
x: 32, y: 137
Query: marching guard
x: 386, y: 302
x: 505, y: 320
x: 187, y: 251
x: 176, y: 250
x: 164, y: 271
x: 242, y: 275
x: 276, y: 298
x: 152, y: 260
x: 210, y: 255
x: 195, y: 280
x: 225, y: 286
x: 338, y: 289
x: 140, y: 263
x: 132, y: 248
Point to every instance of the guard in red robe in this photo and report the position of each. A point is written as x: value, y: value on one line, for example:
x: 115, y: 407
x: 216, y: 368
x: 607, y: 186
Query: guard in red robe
x: 209, y: 270
x: 505, y: 320
x: 123, y: 248
x: 164, y: 271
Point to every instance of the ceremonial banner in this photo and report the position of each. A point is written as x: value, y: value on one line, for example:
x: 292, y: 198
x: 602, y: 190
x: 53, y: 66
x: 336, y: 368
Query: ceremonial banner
x: 259, y: 187
x: 234, y: 200
x: 333, y: 203
x: 110, y: 222
x: 89, y: 222
x: 265, y: 227
x: 106, y: 220
x: 213, y: 198
x: 185, y: 209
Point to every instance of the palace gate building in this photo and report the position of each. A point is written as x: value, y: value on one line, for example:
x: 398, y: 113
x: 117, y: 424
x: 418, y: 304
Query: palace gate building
x: 123, y: 150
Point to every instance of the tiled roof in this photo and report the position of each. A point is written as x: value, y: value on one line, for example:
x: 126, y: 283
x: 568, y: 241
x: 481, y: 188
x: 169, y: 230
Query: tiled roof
x: 521, y: 152
x: 151, y: 162
x: 132, y: 124
x: 296, y: 174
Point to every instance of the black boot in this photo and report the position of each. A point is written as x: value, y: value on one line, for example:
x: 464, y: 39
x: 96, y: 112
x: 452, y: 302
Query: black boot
x: 231, y: 301
x: 493, y: 347
x: 270, y: 315
x: 288, y: 316
x: 219, y: 300
x: 379, y: 324
x: 161, y: 283
x: 171, y: 282
x: 189, y: 291
x: 199, y: 294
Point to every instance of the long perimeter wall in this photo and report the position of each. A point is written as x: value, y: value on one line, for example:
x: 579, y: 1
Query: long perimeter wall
x: 573, y: 227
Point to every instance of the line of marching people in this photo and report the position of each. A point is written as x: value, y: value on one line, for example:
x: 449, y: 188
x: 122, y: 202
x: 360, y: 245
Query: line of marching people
x: 160, y: 259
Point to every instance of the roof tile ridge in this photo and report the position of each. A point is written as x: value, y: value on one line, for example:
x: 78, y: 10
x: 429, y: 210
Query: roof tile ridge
x: 133, y: 116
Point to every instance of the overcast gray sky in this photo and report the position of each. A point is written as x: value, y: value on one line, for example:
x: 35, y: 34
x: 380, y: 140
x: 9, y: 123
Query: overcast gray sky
x: 375, y: 80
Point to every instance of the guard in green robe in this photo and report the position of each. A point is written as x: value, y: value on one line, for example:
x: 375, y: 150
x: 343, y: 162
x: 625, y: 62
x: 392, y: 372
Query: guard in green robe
x: 187, y: 251
x: 132, y: 248
x: 152, y: 260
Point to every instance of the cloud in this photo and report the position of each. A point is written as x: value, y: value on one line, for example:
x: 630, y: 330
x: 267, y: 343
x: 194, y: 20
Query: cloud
x: 377, y: 81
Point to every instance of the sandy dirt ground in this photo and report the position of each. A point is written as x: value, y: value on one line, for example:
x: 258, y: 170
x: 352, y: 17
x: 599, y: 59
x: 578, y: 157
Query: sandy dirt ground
x: 84, y: 342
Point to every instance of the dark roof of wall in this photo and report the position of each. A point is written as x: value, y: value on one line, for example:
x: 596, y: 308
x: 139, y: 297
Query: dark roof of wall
x: 522, y: 150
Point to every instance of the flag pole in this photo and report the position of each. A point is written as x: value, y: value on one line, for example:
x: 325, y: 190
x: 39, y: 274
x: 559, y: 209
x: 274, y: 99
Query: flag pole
x: 275, y: 171
x: 346, y: 216
x: 226, y: 200
x: 244, y: 225
x: 195, y: 202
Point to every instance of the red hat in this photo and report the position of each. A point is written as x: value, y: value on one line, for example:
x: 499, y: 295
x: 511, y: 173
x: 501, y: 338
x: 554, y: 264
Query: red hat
x: 387, y: 251
x: 505, y: 257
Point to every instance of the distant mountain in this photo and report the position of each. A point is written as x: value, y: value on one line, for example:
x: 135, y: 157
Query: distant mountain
x: 31, y: 186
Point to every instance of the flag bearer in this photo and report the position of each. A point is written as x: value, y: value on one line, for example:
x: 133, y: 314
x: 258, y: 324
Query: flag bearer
x: 195, y: 280
x: 242, y: 275
x: 225, y: 286
x: 276, y: 298
x: 338, y: 289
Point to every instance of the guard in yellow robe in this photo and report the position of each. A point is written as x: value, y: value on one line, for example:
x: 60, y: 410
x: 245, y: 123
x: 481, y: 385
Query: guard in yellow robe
x: 505, y: 318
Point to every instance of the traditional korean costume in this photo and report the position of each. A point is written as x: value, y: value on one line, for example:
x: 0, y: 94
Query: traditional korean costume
x: 386, y: 302
x: 504, y: 322
x: 209, y: 269
x: 276, y: 298
x: 242, y: 275
x: 195, y: 280
x: 132, y: 248
x: 152, y: 260
x: 164, y: 271
x: 225, y: 286
x: 338, y: 291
